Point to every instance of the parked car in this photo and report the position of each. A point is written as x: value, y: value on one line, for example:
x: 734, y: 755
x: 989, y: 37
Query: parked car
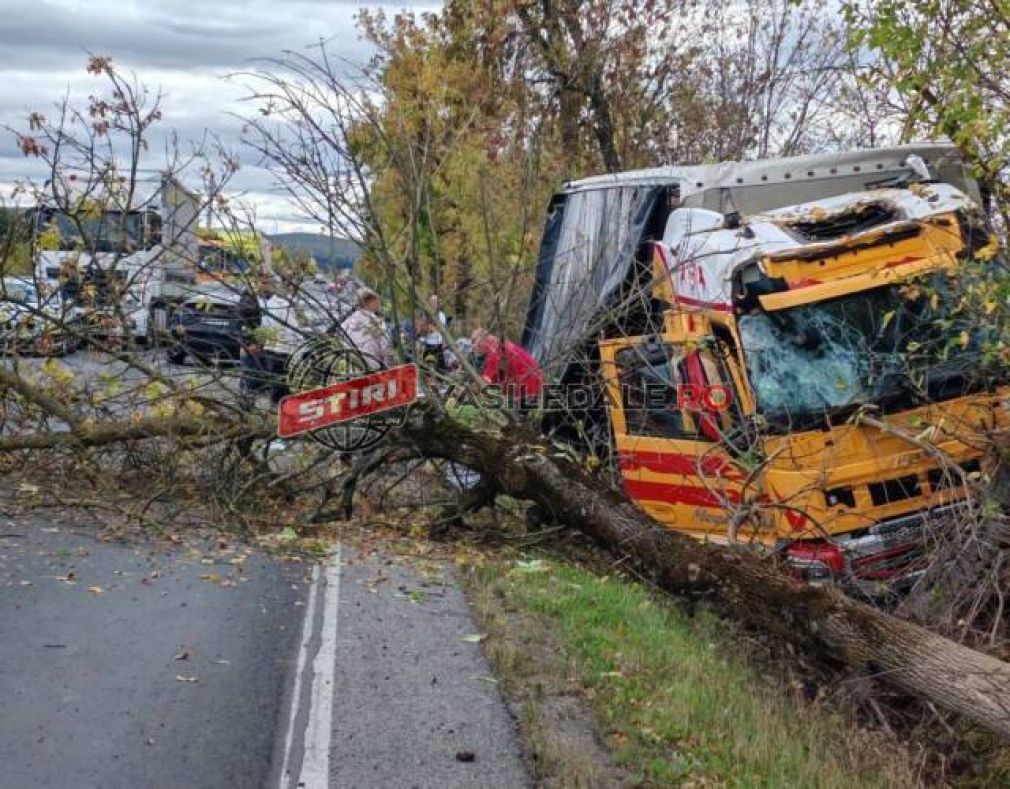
x: 33, y: 323
x: 207, y: 326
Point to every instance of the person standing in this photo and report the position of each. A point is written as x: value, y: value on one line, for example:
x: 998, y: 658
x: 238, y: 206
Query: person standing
x: 70, y: 280
x: 366, y: 330
x: 250, y: 309
x: 250, y: 314
x: 281, y: 331
x: 434, y: 350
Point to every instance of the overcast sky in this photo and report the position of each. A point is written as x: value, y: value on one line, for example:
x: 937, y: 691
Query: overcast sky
x: 185, y: 47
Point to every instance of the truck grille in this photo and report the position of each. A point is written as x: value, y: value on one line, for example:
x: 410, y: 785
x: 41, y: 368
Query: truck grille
x: 900, y: 559
x: 896, y: 548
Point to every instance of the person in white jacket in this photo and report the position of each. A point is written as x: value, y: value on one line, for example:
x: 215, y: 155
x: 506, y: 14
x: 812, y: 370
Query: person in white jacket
x: 366, y: 330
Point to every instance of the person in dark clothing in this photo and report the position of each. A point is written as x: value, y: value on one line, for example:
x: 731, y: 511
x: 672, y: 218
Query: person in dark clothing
x: 70, y: 281
x: 254, y: 375
x: 430, y: 344
x: 250, y: 312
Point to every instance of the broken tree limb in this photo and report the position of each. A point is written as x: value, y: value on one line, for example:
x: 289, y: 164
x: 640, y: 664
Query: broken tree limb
x: 739, y: 582
x: 36, y: 395
x: 98, y: 434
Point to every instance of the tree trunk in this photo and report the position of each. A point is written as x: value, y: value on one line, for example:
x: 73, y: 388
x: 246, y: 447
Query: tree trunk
x: 738, y: 581
x: 603, y: 125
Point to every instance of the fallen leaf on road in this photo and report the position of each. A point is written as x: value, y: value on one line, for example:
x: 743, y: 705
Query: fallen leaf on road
x: 475, y: 638
x: 95, y: 589
x: 184, y: 678
x: 214, y: 578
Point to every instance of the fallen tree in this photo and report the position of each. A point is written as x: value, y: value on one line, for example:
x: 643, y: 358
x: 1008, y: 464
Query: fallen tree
x: 737, y: 581
x: 740, y: 583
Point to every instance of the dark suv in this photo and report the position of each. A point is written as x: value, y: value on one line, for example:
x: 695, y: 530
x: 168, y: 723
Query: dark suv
x: 206, y: 329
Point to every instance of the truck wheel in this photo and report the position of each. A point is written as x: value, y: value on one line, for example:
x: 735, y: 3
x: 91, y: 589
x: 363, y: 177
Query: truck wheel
x: 176, y: 354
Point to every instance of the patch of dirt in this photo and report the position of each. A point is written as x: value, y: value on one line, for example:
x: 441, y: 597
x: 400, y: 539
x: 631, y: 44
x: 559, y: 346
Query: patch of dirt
x: 564, y: 748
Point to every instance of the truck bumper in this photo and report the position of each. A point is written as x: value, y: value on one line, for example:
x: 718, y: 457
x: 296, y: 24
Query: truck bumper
x: 886, y: 557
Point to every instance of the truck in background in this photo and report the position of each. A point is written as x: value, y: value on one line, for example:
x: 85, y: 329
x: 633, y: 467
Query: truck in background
x: 768, y: 339
x: 129, y: 269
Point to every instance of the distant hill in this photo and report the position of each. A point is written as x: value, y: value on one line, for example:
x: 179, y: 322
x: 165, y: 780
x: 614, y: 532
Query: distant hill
x: 330, y: 254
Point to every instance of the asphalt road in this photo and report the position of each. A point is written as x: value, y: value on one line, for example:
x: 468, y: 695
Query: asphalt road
x: 99, y: 370
x: 159, y: 665
x: 123, y: 666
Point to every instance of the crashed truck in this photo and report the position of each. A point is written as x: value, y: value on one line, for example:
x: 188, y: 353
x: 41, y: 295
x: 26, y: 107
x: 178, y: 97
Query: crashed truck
x: 779, y: 349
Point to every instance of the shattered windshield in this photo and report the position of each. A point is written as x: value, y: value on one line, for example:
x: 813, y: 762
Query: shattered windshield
x: 892, y: 347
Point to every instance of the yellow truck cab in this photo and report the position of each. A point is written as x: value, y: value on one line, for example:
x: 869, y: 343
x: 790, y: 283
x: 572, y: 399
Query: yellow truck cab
x: 783, y: 352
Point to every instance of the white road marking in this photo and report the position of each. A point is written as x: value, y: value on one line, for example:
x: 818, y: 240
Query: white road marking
x: 316, y: 764
x: 296, y: 695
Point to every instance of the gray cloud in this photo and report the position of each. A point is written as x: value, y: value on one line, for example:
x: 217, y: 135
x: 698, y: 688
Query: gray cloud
x: 183, y: 47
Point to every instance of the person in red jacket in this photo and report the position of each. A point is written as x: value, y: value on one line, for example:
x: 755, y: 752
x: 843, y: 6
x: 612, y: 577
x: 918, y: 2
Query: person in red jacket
x: 509, y: 367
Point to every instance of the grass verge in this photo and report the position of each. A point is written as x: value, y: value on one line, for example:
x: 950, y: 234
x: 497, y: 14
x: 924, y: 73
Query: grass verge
x: 674, y: 701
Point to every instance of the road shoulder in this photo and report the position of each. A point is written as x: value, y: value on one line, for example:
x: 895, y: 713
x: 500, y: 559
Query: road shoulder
x: 414, y: 702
